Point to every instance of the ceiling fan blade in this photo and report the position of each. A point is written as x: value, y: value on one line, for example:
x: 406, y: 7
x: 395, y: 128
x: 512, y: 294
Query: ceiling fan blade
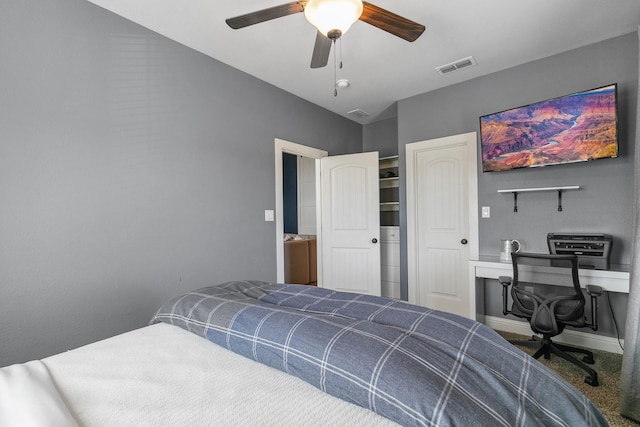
x: 391, y: 23
x: 265, y: 15
x: 321, y: 51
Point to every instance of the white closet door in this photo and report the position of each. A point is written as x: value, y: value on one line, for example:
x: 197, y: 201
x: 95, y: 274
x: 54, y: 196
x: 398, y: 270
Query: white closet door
x: 442, y: 233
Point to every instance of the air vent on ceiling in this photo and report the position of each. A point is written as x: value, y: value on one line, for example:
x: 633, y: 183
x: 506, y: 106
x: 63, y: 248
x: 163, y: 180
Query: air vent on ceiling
x: 358, y: 113
x: 456, y: 65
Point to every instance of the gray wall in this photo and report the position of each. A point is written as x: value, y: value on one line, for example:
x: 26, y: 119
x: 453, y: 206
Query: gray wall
x: 604, y: 202
x: 381, y: 136
x: 131, y: 169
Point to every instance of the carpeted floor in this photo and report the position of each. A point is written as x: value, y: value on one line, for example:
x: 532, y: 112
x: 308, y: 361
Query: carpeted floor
x: 606, y: 395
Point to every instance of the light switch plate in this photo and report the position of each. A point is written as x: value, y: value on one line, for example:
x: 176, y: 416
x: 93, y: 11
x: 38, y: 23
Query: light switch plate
x: 268, y: 215
x: 486, y: 212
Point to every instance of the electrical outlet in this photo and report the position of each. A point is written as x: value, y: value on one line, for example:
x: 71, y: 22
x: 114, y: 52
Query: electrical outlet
x: 486, y: 212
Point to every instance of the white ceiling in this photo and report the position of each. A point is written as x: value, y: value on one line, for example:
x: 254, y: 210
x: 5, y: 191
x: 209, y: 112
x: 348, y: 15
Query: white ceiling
x: 383, y: 68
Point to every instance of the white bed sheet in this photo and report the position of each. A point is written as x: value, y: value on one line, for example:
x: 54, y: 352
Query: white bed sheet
x: 162, y: 375
x: 28, y: 398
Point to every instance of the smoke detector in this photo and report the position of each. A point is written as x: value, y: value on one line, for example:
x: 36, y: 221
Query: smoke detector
x: 467, y: 62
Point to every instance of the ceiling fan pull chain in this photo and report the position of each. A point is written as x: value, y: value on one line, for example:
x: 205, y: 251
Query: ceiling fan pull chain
x: 341, y: 53
x: 335, y: 73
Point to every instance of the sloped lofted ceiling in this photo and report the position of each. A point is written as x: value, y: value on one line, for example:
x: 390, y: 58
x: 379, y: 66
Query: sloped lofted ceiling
x: 382, y: 68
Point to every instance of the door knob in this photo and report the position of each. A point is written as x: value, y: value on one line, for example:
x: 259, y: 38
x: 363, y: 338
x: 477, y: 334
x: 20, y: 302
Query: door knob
x: 463, y: 241
x: 374, y: 240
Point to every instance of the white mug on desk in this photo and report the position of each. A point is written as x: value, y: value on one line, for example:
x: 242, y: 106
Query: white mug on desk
x: 507, y: 247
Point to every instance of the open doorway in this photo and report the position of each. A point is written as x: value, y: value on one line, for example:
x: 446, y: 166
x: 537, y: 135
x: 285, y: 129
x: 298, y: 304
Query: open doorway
x: 307, y: 153
x: 299, y: 194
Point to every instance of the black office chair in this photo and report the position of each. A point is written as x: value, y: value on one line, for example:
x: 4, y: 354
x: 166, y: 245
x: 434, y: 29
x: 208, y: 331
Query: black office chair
x: 545, y: 290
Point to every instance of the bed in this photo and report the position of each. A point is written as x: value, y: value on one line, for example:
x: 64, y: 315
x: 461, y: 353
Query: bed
x: 258, y: 353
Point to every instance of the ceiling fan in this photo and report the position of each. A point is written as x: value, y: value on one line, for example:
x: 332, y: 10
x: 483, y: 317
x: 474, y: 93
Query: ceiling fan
x: 333, y: 18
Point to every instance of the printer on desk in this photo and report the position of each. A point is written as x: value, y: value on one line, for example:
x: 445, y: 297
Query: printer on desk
x: 593, y: 250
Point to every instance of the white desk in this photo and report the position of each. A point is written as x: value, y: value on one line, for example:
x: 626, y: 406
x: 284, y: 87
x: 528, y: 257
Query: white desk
x: 614, y: 280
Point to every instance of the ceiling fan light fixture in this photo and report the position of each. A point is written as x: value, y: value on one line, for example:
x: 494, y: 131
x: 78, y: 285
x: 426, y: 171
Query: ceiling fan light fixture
x: 331, y: 15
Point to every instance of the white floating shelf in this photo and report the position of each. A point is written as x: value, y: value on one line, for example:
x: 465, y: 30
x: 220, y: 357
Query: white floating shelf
x: 515, y: 192
x: 523, y: 190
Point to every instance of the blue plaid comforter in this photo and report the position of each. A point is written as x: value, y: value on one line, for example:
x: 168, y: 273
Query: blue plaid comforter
x: 413, y: 365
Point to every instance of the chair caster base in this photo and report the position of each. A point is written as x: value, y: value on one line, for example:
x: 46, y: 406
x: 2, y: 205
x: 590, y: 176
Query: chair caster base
x: 592, y: 381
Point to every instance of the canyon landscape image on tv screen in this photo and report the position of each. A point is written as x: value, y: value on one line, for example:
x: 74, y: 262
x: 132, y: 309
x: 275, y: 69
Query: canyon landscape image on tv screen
x: 572, y: 128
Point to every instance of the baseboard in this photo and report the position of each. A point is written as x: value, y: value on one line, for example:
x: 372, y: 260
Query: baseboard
x: 569, y: 337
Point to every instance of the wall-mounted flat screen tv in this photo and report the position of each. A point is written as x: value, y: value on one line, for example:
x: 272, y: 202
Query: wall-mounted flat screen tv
x: 574, y: 128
